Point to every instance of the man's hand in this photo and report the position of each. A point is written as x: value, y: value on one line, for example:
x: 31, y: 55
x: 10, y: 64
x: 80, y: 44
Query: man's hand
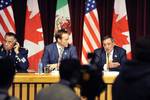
x: 53, y: 66
x: 16, y: 47
x: 114, y: 64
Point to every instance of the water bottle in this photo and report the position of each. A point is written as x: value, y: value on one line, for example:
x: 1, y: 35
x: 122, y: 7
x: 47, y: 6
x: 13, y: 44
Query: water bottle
x: 40, y: 67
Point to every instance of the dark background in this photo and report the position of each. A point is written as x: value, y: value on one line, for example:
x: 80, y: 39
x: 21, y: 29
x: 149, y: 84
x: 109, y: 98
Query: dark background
x: 138, y: 12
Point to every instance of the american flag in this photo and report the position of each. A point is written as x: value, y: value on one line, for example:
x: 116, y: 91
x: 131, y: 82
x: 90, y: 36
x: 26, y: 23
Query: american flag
x: 91, y: 30
x: 7, y: 23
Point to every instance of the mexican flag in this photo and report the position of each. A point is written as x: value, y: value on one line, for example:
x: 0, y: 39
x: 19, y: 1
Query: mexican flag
x: 62, y: 18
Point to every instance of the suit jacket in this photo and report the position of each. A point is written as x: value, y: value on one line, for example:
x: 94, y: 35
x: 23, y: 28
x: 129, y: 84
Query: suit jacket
x: 20, y: 60
x: 99, y: 58
x: 51, y: 54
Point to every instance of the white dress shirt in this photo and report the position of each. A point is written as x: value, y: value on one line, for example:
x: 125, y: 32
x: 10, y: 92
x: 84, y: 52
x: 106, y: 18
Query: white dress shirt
x: 105, y: 67
x: 60, y: 51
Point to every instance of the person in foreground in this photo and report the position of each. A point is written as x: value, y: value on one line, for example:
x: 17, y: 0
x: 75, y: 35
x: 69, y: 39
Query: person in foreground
x: 133, y: 82
x: 61, y: 49
x: 91, y: 84
x: 110, y: 56
x: 69, y: 77
x: 7, y: 72
x: 10, y: 47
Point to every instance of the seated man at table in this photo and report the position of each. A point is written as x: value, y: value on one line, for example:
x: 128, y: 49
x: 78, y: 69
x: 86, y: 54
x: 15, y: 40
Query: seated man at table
x: 110, y: 56
x: 133, y: 82
x: 7, y: 72
x: 69, y: 76
x: 59, y: 50
x: 11, y: 48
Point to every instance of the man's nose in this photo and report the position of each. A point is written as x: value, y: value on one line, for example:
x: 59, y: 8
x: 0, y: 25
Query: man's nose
x: 107, y: 47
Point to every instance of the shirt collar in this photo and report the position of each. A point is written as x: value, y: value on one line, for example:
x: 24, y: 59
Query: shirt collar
x: 111, y: 53
x: 59, y: 47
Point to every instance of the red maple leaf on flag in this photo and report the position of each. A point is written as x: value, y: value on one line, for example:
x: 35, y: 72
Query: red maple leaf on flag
x: 34, y: 37
x: 31, y: 28
x: 35, y: 60
x: 120, y: 27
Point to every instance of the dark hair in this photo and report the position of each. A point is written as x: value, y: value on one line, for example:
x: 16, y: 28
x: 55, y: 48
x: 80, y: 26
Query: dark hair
x: 141, y: 50
x: 7, y: 72
x: 58, y: 34
x: 70, y: 70
x: 11, y: 34
x: 108, y: 37
x: 92, y: 83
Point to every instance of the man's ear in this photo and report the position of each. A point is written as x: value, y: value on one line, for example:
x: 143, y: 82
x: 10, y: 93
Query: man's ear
x: 59, y: 40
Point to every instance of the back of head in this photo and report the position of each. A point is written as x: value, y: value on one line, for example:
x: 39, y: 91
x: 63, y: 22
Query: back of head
x: 92, y: 83
x: 7, y: 72
x: 70, y: 70
x: 142, y: 49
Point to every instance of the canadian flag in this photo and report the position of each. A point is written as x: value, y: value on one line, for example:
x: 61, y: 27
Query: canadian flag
x: 33, y: 34
x: 120, y: 29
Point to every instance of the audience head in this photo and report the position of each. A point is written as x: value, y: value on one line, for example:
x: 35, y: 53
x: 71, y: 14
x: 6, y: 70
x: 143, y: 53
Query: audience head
x: 91, y: 83
x: 108, y: 43
x: 7, y: 72
x: 142, y: 49
x: 62, y: 37
x: 70, y: 70
x: 9, y: 41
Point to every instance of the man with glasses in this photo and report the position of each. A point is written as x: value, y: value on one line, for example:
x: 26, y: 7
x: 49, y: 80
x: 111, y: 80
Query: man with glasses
x: 11, y: 48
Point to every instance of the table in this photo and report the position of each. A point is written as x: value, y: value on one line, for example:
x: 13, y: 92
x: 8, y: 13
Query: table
x: 27, y: 85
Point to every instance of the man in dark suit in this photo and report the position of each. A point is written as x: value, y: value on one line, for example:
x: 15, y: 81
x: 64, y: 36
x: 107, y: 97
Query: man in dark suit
x: 110, y: 56
x: 11, y: 48
x: 61, y: 49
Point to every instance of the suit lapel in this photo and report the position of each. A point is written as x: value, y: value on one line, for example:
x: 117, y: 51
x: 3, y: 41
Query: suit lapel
x: 115, y: 55
x: 103, y: 56
x: 56, y: 54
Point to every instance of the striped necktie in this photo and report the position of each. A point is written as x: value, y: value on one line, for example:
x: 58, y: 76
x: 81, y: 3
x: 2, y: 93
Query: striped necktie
x: 60, y: 54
